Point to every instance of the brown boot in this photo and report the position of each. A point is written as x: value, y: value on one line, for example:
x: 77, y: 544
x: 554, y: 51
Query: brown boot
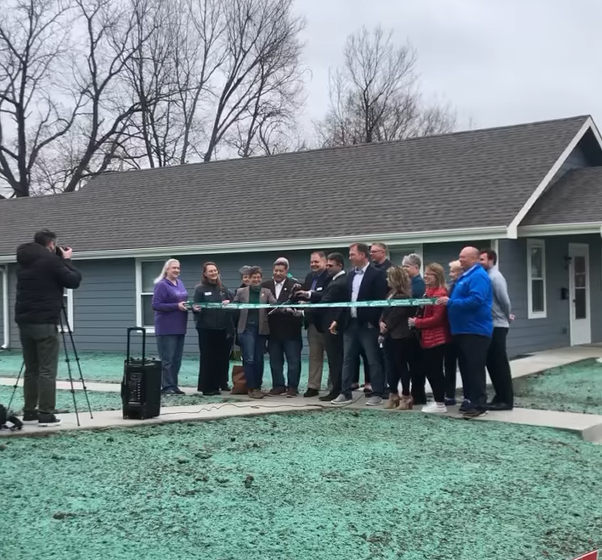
x: 406, y: 402
x: 393, y: 401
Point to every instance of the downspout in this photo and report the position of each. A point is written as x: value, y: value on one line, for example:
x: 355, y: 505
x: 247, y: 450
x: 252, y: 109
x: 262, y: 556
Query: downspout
x: 5, y: 314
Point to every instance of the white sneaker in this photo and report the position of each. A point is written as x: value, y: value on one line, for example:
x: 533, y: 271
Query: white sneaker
x: 435, y: 408
x: 341, y: 399
x: 374, y: 401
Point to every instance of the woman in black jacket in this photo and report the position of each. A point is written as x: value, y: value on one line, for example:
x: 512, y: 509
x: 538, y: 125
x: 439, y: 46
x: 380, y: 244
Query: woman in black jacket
x: 215, y: 329
x: 396, y: 338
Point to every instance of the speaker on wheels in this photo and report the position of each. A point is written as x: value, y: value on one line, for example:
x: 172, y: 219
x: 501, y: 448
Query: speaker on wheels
x: 141, y: 384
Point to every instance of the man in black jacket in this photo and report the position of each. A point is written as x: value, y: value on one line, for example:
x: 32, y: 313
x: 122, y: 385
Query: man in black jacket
x: 286, y: 326
x: 365, y: 283
x: 44, y: 272
x: 316, y: 281
x: 335, y: 291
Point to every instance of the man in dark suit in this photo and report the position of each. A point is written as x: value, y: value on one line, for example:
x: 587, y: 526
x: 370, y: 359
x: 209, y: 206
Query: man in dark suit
x: 335, y: 291
x: 286, y: 326
x: 316, y: 281
x: 365, y: 283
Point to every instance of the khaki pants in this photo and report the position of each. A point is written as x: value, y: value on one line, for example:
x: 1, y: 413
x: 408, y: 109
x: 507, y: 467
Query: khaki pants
x: 316, y: 357
x: 40, y: 344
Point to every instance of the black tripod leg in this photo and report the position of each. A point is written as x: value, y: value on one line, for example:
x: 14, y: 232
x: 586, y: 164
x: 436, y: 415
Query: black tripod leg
x: 69, y: 369
x: 16, y: 385
x: 79, y: 367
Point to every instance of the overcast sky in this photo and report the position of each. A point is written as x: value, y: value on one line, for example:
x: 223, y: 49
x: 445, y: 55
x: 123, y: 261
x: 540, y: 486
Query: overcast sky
x: 497, y: 61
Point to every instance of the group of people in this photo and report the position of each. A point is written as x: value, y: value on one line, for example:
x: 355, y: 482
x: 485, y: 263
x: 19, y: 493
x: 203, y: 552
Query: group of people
x: 465, y: 324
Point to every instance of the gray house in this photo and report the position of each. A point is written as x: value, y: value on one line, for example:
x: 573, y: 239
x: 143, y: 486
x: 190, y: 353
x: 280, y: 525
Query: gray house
x: 533, y: 192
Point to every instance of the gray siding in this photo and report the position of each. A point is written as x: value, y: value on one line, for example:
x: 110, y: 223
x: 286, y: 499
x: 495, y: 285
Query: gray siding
x: 1, y: 309
x: 531, y: 335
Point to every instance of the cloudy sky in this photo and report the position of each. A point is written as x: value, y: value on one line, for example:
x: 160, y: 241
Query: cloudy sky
x: 497, y: 61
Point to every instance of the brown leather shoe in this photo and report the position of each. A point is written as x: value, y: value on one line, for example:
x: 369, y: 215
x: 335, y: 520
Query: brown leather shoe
x: 256, y: 394
x: 276, y: 392
x: 290, y: 393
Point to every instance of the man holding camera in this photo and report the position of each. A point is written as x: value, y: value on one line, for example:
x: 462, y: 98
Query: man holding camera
x: 44, y: 271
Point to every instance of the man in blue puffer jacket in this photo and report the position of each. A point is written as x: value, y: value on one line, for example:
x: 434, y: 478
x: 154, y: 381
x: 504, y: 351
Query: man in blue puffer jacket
x: 471, y: 324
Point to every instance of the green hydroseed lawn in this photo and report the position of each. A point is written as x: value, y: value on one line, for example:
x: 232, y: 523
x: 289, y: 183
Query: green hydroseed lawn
x: 108, y: 368
x: 329, y: 485
x: 573, y: 388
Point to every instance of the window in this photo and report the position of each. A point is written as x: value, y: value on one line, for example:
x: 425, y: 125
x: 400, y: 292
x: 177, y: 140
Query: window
x: 536, y: 273
x: 68, y: 305
x: 146, y: 272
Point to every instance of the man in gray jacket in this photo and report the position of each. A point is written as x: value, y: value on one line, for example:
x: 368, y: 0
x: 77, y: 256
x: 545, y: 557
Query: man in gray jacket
x: 497, y: 358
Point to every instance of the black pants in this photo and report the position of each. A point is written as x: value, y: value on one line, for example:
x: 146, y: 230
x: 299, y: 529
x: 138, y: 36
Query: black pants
x: 215, y: 356
x: 333, y: 344
x: 432, y: 360
x: 451, y: 367
x: 472, y: 357
x: 40, y: 343
x: 356, y: 374
x: 398, y: 350
x: 499, y: 367
x: 416, y: 370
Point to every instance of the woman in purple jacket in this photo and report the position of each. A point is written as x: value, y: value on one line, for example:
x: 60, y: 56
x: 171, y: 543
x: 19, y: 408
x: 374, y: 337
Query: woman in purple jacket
x: 171, y: 318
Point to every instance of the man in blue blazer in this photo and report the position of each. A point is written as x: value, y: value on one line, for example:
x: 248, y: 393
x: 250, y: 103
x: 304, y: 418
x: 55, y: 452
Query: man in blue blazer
x: 471, y: 324
x: 365, y: 283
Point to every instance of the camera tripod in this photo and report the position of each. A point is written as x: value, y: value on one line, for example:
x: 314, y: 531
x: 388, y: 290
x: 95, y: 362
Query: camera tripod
x: 67, y: 361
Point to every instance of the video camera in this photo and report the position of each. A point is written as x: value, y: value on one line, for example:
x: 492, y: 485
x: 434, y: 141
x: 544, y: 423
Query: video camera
x: 59, y: 250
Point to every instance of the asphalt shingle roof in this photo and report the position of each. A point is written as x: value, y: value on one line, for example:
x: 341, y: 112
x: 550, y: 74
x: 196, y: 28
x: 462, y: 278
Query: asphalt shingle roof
x: 477, y: 178
x: 574, y: 198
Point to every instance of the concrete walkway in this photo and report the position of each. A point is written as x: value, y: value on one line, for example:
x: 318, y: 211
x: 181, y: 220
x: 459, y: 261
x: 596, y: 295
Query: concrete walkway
x: 589, y: 426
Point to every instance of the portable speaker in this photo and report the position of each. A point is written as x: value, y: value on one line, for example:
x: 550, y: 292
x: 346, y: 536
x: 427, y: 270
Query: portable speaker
x: 141, y: 384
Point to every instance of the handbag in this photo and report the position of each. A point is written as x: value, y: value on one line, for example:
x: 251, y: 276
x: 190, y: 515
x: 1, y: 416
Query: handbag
x: 418, y: 332
x: 239, y: 383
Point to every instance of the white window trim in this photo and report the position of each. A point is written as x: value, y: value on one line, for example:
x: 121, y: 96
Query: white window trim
x: 495, y: 245
x: 150, y: 329
x: 536, y: 244
x: 69, y: 296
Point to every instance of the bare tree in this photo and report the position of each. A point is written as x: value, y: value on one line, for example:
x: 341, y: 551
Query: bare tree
x: 112, y: 42
x: 375, y: 97
x: 91, y: 85
x: 260, y: 75
x: 34, y: 36
x: 65, y: 111
x: 223, y: 76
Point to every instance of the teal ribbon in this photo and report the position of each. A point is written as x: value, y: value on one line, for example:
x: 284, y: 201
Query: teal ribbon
x: 413, y: 302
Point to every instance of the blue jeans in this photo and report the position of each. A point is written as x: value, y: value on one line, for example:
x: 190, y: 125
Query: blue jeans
x: 252, y: 345
x: 355, y: 338
x: 170, y: 348
x: 278, y: 350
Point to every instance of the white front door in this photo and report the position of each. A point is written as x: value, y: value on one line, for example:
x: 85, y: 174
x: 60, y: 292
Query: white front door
x: 581, y: 323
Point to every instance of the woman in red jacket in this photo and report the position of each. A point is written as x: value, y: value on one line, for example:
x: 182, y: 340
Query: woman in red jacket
x: 433, y: 329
